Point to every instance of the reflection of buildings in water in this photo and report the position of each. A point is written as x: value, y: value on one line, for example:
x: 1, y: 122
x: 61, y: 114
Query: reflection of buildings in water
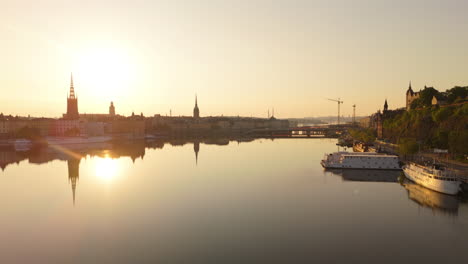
x: 438, y: 202
x: 134, y: 150
x: 73, y: 174
x: 8, y: 157
x: 368, y: 175
x: 196, y: 148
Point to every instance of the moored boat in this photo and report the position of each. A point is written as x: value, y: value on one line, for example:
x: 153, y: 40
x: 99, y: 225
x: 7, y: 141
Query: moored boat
x: 435, y: 177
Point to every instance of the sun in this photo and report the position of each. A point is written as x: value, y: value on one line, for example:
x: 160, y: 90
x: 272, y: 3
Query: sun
x: 105, y: 70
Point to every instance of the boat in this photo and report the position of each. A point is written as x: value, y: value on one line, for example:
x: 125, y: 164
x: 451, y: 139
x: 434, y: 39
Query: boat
x: 435, y: 177
x: 76, y: 140
x: 22, y: 144
x: 360, y: 160
x: 363, y: 147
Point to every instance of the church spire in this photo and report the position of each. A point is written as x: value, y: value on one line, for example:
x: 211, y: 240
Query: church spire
x: 196, y: 111
x: 72, y: 89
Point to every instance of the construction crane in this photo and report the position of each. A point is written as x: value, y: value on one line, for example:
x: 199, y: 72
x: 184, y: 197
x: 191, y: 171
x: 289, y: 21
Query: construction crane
x: 339, y: 103
x: 354, y: 114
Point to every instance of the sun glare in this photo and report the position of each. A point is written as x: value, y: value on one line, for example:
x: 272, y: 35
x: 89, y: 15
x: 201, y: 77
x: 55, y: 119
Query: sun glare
x: 105, y: 70
x: 106, y: 168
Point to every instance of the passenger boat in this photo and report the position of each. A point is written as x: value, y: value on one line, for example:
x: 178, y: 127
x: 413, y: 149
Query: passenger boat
x: 360, y: 160
x: 435, y: 177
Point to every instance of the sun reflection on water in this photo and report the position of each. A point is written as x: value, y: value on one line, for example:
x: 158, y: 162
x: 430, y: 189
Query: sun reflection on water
x: 106, y: 168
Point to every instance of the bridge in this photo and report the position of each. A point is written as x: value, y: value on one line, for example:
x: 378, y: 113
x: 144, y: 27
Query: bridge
x: 330, y: 131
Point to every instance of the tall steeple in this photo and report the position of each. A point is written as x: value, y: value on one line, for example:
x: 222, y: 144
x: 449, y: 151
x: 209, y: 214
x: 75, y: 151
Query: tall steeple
x: 196, y: 111
x: 72, y: 102
x: 410, y: 90
x: 72, y: 89
x: 385, y: 107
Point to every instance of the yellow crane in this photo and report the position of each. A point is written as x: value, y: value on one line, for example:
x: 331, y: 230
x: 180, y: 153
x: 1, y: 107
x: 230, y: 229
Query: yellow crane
x: 339, y: 103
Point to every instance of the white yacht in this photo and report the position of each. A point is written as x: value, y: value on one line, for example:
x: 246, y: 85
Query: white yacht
x: 360, y: 160
x: 434, y: 177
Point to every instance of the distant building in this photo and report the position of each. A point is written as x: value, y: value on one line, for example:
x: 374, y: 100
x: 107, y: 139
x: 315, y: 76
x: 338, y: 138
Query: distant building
x: 411, y: 96
x: 69, y: 127
x: 196, y: 111
x: 112, y: 109
x: 43, y: 125
x: 438, y: 100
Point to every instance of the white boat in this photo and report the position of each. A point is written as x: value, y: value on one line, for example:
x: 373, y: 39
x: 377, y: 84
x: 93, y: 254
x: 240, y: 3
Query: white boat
x: 76, y: 140
x: 360, y: 160
x: 434, y: 177
x: 22, y: 144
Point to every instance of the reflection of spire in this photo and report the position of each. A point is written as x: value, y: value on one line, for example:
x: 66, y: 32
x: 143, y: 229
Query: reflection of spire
x: 196, y: 148
x: 73, y: 174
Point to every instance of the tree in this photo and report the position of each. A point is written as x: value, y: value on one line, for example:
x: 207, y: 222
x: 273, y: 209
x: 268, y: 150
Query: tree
x: 28, y: 133
x: 457, y: 92
x: 408, y: 146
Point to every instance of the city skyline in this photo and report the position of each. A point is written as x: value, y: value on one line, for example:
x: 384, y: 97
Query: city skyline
x: 241, y: 58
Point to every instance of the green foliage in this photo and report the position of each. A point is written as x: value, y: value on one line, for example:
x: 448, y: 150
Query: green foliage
x: 408, y: 146
x: 364, y: 135
x: 434, y: 127
x: 425, y: 98
x: 456, y: 93
x: 441, y: 114
x: 458, y: 142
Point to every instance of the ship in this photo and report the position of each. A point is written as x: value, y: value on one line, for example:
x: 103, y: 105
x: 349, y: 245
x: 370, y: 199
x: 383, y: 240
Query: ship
x: 360, y: 160
x: 434, y: 176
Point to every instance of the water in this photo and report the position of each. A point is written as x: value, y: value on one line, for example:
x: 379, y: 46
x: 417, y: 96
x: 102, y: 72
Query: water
x: 261, y: 201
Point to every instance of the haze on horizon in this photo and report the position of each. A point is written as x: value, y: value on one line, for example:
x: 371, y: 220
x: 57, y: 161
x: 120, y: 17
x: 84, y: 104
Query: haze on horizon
x: 240, y: 57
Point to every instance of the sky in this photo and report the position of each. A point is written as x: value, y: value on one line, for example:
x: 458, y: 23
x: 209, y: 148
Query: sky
x: 240, y: 57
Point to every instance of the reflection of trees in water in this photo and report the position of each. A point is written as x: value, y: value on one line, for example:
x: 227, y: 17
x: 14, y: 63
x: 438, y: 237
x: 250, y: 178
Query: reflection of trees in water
x: 438, y: 202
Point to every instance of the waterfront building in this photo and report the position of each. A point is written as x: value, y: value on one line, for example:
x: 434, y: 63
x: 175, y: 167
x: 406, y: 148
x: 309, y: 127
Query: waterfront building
x: 43, y: 125
x: 131, y: 128
x: 69, y: 127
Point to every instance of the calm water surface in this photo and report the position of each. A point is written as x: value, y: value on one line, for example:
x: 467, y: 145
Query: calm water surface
x: 261, y: 201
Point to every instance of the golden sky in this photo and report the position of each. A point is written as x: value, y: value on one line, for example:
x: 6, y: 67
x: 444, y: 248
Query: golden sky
x: 240, y: 57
